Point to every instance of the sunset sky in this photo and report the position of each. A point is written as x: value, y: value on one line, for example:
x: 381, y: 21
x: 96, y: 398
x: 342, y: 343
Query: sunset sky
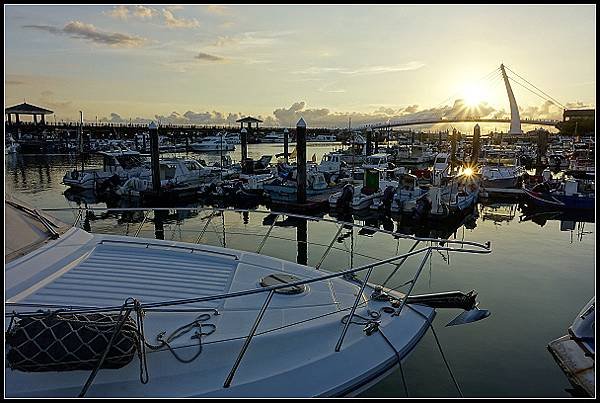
x: 211, y: 64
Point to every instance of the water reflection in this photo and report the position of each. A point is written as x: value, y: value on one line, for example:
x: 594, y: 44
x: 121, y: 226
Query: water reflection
x: 498, y: 212
x: 572, y: 221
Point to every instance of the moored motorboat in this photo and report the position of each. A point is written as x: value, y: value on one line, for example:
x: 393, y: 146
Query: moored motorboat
x: 122, y: 164
x: 197, y: 320
x: 569, y: 192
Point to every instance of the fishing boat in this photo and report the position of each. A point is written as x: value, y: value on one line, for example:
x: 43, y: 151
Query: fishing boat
x: 376, y: 161
x: 285, y: 189
x: 406, y: 194
x: 443, y: 200
x: 374, y: 187
x: 569, y: 192
x: 331, y: 163
x: 117, y: 316
x: 122, y: 164
x: 575, y: 351
x: 501, y: 169
x: 414, y: 154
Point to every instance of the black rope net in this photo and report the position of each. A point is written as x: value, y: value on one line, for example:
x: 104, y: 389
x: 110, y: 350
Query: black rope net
x: 57, y: 341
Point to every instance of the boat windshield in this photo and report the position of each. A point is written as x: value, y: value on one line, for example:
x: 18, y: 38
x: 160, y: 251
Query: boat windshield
x: 193, y: 165
x: 167, y: 171
x: 129, y: 161
x: 28, y: 229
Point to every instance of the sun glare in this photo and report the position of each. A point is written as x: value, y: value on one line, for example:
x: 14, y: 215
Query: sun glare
x: 473, y: 95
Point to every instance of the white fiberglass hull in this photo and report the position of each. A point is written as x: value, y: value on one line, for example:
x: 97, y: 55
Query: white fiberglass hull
x: 293, y: 351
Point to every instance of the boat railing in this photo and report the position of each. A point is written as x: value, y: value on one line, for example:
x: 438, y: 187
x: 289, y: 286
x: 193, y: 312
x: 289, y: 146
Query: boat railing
x: 397, y: 261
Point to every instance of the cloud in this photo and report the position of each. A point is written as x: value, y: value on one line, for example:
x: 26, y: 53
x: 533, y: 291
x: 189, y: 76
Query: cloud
x: 175, y: 22
x: 215, y: 9
x: 367, y: 70
x: 209, y: 58
x: 253, y: 39
x: 80, y: 30
x: 48, y: 99
x: 124, y: 12
x: 120, y: 12
x: 144, y: 12
x: 224, y: 41
x: 323, y: 117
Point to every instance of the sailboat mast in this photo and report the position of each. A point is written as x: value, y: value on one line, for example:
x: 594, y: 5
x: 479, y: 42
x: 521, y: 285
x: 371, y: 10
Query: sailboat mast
x: 352, y: 137
x: 81, y: 139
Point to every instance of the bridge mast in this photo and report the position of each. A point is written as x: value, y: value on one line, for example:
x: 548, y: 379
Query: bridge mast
x: 515, y: 119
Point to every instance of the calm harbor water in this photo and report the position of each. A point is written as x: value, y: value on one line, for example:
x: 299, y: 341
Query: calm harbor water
x: 540, y: 274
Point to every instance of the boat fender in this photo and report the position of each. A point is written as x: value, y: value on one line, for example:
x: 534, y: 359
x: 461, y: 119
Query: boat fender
x: 56, y: 341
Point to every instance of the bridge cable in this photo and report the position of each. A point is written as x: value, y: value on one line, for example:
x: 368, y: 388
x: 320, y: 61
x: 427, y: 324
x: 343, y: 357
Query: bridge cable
x: 558, y: 103
x: 486, y: 77
x: 533, y: 92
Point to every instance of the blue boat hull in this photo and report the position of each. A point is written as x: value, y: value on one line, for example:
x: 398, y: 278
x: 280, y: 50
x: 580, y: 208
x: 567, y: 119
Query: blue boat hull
x: 561, y: 201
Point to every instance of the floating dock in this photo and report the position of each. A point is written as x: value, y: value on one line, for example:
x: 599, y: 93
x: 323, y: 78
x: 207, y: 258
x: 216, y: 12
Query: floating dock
x: 490, y: 192
x: 578, y: 366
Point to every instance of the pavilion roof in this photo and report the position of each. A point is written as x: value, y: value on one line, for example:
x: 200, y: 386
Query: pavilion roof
x: 249, y: 119
x: 28, y: 109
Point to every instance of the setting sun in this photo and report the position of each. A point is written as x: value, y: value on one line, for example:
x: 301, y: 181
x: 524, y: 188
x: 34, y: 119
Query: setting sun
x: 473, y: 94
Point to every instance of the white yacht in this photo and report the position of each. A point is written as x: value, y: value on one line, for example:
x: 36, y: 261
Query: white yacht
x: 233, y: 138
x: 124, y: 164
x: 212, y: 143
x: 325, y: 138
x: 273, y: 137
x: 174, y: 172
x: 131, y: 317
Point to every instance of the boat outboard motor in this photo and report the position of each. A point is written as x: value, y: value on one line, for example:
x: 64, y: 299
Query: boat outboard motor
x: 110, y: 184
x: 422, y: 208
x: 346, y: 197
x: 388, y: 197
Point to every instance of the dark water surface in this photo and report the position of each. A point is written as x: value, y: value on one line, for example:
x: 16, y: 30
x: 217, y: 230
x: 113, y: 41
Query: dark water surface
x: 538, y: 277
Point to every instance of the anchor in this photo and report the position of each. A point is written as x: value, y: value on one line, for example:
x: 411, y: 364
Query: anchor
x: 453, y: 299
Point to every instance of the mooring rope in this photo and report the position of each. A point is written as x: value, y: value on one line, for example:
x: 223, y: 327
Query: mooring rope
x: 399, y: 361
x: 441, y: 350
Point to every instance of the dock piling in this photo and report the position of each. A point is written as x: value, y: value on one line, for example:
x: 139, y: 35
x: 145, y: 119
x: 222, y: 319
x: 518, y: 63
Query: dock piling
x: 286, y: 145
x: 154, y: 155
x: 301, y: 160
x: 244, y: 141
